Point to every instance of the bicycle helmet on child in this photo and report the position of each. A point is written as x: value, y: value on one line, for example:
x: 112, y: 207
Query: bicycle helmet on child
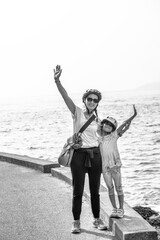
x: 92, y: 91
x: 110, y: 120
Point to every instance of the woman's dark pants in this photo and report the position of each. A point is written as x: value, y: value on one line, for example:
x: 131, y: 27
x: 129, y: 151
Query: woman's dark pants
x: 78, y: 170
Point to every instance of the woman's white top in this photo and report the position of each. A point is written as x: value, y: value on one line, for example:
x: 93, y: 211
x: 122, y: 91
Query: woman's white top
x: 89, y: 136
x: 109, y: 151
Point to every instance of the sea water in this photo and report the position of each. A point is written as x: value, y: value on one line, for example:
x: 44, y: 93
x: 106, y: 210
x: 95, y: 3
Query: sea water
x: 39, y: 126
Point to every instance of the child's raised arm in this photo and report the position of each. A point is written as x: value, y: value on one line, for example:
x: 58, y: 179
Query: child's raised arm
x: 125, y: 126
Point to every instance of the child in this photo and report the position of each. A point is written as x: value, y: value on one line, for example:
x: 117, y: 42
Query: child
x: 111, y: 163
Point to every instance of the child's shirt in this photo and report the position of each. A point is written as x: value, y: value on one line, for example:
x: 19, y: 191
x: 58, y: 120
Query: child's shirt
x: 109, y: 151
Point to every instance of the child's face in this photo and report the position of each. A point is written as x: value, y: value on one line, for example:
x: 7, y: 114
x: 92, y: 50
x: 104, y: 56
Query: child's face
x: 107, y: 128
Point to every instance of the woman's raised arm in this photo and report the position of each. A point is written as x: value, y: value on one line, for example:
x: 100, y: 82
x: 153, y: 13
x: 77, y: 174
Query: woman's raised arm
x: 70, y: 104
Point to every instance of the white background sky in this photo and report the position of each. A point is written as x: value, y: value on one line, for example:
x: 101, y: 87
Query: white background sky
x: 103, y: 44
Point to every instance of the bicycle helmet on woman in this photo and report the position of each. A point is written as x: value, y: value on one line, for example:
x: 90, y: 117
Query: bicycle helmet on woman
x: 110, y: 120
x: 92, y: 91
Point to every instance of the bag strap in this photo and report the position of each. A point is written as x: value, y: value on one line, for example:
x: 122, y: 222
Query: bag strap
x: 87, y: 123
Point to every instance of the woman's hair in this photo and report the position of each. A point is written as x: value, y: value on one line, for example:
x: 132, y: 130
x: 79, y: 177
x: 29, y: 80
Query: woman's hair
x: 95, y: 110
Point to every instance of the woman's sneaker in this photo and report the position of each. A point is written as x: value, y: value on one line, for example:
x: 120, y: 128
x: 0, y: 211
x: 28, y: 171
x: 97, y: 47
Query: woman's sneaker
x: 120, y: 213
x: 76, y: 227
x: 114, y: 213
x: 98, y: 223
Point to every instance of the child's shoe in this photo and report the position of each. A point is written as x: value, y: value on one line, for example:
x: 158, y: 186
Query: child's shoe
x: 98, y: 223
x: 76, y: 227
x: 114, y: 213
x: 120, y: 213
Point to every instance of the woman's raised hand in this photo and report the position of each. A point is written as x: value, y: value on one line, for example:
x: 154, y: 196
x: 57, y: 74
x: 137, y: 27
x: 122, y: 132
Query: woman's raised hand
x: 57, y: 72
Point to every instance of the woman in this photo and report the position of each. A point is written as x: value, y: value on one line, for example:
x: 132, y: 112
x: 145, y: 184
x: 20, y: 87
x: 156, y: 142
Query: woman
x: 87, y: 158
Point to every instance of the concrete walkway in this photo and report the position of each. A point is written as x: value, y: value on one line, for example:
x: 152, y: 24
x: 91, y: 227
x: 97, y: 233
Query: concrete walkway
x: 37, y: 206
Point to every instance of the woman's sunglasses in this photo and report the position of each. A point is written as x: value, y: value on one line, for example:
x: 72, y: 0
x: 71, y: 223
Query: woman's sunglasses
x: 92, y: 100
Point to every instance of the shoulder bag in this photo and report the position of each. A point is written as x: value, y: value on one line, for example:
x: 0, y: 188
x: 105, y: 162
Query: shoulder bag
x: 74, y: 142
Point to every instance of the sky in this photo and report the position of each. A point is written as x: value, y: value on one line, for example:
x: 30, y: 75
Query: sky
x: 103, y: 44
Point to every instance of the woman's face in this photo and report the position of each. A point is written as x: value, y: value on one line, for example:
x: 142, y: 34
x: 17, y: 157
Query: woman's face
x: 91, y: 101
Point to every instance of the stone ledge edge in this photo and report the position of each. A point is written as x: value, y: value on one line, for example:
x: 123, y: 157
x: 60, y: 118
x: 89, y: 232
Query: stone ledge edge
x: 26, y: 161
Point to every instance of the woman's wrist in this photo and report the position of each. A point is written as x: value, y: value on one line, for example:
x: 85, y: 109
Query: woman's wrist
x: 57, y: 80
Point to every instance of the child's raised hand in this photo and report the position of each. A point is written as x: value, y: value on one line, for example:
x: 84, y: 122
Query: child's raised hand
x: 135, y: 111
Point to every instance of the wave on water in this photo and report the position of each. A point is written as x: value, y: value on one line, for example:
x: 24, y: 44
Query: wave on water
x: 5, y: 131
